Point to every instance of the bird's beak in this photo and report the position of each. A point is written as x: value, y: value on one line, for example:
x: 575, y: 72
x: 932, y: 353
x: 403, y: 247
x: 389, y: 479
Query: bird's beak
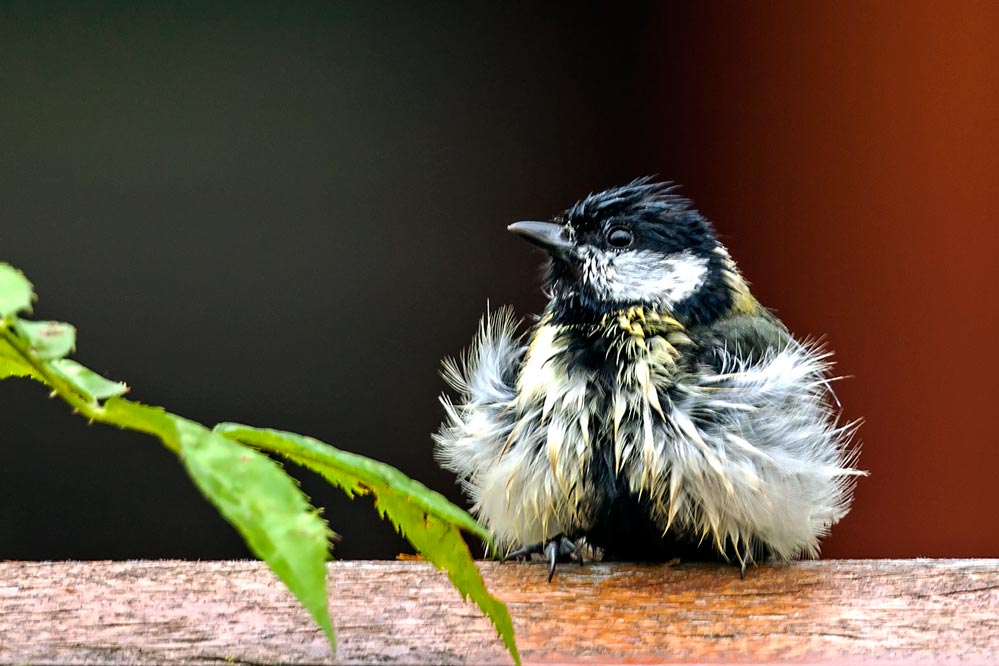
x: 548, y: 235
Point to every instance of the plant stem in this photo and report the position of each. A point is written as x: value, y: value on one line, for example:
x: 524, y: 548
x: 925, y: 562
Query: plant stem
x: 91, y: 409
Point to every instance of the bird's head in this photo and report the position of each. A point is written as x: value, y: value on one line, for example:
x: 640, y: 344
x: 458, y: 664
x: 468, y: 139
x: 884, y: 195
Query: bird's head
x: 637, y: 245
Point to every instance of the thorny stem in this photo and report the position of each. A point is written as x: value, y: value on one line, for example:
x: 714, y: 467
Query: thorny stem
x: 90, y: 409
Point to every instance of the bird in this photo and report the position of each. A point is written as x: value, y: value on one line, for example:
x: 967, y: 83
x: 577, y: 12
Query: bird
x: 654, y: 410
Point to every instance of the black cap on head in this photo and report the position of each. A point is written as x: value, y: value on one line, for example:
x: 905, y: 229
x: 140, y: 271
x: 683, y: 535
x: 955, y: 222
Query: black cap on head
x: 640, y: 244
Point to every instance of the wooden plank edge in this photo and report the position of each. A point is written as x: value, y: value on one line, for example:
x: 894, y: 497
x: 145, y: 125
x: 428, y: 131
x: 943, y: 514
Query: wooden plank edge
x: 393, y: 612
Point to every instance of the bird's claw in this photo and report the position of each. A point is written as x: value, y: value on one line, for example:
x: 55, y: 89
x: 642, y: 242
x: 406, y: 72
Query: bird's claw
x: 744, y: 560
x: 553, y: 549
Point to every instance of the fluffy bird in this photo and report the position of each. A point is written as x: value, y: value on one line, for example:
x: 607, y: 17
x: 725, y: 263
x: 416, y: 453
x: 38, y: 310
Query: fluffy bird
x: 655, y: 410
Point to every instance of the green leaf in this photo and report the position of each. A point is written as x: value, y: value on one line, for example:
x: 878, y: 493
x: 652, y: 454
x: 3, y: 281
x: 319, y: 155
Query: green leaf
x: 86, y: 381
x: 12, y: 364
x: 353, y: 472
x: 16, y: 292
x: 426, y: 518
x: 249, y: 489
x: 441, y: 543
x: 49, y: 339
x: 254, y: 494
x: 11, y: 368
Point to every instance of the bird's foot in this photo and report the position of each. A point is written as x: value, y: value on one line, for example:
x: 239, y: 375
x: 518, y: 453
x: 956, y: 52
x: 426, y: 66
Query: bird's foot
x: 558, y: 547
x: 744, y: 561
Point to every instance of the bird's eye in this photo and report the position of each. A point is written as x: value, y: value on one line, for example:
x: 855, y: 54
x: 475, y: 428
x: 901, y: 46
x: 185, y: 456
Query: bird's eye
x: 618, y: 237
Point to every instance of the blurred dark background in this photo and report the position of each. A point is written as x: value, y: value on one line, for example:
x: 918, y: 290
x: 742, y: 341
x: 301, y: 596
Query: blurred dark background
x: 286, y: 215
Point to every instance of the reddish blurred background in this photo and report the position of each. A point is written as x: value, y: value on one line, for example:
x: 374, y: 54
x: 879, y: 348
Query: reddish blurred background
x: 861, y: 142
x: 286, y: 216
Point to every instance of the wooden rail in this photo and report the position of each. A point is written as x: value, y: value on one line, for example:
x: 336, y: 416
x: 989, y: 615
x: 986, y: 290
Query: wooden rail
x: 219, y: 613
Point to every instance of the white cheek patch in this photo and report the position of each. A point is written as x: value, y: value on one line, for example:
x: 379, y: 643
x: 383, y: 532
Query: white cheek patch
x: 647, y: 276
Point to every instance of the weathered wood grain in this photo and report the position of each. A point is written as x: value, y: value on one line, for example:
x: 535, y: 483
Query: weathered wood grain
x: 406, y: 613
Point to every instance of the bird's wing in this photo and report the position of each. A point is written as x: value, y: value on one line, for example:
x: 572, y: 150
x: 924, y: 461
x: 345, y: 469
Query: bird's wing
x: 748, y: 338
